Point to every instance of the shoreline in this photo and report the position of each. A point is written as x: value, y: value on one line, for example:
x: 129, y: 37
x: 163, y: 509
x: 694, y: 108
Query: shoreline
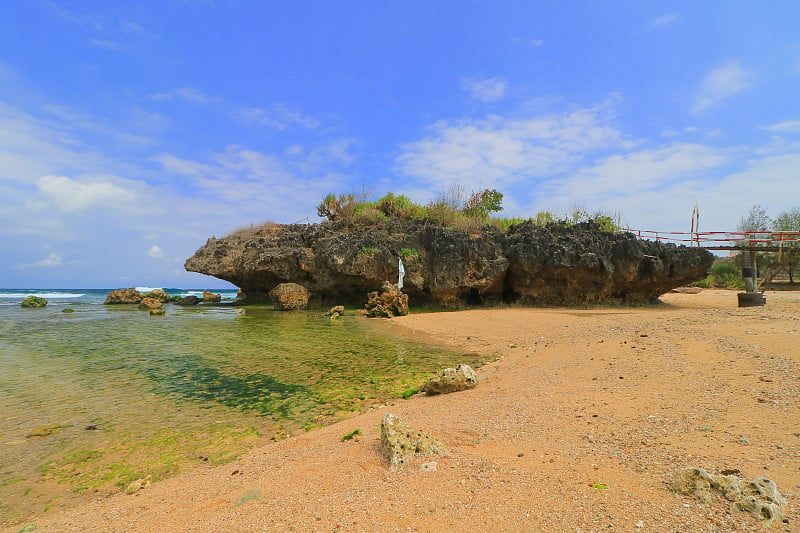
x: 577, y: 425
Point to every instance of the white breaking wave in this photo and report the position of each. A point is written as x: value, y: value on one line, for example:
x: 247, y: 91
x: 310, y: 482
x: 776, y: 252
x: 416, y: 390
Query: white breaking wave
x: 51, y: 295
x: 147, y: 289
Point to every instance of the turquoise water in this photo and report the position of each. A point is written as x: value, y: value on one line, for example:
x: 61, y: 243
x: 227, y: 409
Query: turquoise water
x: 99, y: 397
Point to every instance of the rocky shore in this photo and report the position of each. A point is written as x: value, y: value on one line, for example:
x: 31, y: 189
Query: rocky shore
x: 529, y: 264
x: 588, y: 421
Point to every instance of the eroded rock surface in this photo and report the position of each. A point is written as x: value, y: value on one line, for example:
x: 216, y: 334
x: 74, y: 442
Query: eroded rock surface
x: 341, y: 262
x: 34, y: 302
x: 123, y: 296
x: 758, y: 496
x: 462, y: 377
x: 399, y: 442
x: 289, y: 296
x: 387, y: 302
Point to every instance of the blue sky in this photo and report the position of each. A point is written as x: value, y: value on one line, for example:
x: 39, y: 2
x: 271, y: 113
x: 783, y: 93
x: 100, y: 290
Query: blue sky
x: 132, y: 131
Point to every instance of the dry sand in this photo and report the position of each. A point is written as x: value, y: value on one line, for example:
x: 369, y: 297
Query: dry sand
x: 577, y: 426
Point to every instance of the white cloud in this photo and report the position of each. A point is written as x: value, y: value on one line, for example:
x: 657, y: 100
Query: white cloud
x: 486, y: 90
x: 70, y: 196
x: 663, y: 21
x: 155, y: 252
x: 621, y: 175
x: 721, y: 83
x: 278, y: 117
x: 788, y: 126
x: 501, y: 151
x: 52, y: 260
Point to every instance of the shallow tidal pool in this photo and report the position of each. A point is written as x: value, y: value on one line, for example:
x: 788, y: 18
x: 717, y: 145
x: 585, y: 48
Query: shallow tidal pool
x: 97, y: 398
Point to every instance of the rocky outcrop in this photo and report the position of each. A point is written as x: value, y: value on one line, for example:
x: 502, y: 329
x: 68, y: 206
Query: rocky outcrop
x: 34, y: 302
x: 387, y: 303
x: 335, y: 312
x: 758, y: 496
x: 148, y: 303
x: 399, y: 442
x: 187, y: 301
x: 289, y: 296
x: 123, y: 296
x: 158, y: 294
x: 210, y: 297
x: 530, y: 264
x: 456, y: 379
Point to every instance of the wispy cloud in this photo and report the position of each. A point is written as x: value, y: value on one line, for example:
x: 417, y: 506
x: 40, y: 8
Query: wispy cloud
x: 503, y: 150
x: 70, y: 196
x: 155, y: 252
x: 187, y: 94
x: 52, y: 260
x: 663, y: 21
x: 106, y: 44
x: 486, y: 89
x: 721, y: 83
x: 278, y: 117
x: 788, y: 126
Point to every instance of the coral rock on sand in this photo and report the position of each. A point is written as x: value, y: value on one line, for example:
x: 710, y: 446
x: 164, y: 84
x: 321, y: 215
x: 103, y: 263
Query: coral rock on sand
x: 758, y: 496
x: 399, y: 442
x: 289, y: 296
x: 462, y: 377
x: 124, y: 296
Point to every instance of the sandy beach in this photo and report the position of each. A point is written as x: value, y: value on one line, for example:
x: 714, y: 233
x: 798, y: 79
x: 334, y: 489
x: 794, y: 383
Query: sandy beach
x: 577, y: 425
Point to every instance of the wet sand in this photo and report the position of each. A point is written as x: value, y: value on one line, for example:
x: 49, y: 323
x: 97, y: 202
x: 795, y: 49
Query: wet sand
x: 578, y: 425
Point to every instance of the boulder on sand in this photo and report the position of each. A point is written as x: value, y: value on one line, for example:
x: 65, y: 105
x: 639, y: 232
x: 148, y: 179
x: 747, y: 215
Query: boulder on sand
x: 758, y: 496
x: 399, y: 442
x: 462, y: 377
x: 123, y: 296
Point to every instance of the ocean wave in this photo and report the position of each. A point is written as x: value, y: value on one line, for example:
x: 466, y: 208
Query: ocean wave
x: 51, y: 295
x: 147, y: 289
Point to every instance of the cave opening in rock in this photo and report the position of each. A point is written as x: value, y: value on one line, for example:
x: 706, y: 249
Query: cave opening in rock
x: 474, y: 297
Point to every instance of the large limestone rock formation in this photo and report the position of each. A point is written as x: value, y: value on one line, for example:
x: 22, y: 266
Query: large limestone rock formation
x: 123, y: 296
x: 399, y: 442
x: 462, y: 377
x: 341, y: 262
x: 758, y: 496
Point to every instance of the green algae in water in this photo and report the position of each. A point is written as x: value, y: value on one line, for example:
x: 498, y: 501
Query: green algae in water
x: 197, y: 387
